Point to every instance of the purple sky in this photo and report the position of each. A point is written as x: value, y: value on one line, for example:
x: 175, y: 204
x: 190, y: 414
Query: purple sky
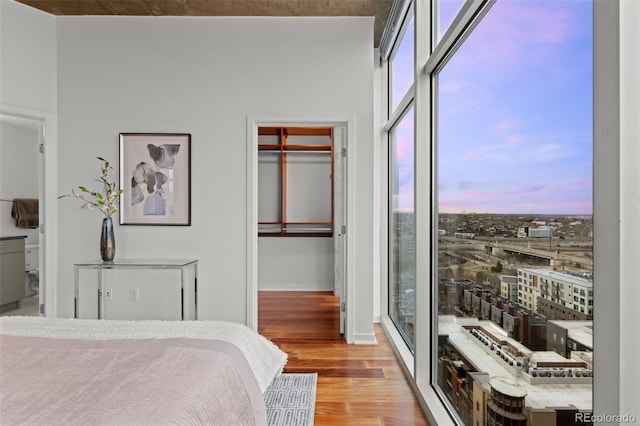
x: 515, y: 113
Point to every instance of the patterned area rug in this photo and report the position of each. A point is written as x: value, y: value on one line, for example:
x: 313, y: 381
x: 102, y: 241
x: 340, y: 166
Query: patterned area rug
x: 291, y: 400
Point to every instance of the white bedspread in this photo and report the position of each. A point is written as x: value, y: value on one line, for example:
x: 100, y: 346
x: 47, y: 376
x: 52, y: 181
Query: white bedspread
x: 265, y: 359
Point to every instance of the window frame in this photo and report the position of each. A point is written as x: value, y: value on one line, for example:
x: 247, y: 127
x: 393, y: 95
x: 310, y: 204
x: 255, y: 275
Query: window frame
x: 395, y: 114
x: 614, y: 31
x: 409, y: 109
x: 391, y: 119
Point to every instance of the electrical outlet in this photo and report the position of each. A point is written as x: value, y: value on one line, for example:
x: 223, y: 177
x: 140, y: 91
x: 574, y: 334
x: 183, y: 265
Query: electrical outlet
x: 108, y: 294
x: 134, y: 294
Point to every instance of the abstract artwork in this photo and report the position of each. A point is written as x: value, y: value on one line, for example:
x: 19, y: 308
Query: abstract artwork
x: 155, y: 173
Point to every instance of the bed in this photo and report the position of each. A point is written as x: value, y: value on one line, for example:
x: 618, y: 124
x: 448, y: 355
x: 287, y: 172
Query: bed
x: 57, y: 371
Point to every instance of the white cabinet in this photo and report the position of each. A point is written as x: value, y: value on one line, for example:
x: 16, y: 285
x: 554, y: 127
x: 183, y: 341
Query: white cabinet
x: 12, y: 277
x: 137, y: 290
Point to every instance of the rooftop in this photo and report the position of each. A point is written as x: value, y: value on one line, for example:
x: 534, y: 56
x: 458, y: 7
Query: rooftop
x: 538, y: 396
x: 578, y: 331
x: 511, y: 279
x: 560, y: 276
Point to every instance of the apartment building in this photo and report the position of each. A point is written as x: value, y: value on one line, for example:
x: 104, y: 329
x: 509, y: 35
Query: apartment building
x: 556, y: 294
x: 509, y: 287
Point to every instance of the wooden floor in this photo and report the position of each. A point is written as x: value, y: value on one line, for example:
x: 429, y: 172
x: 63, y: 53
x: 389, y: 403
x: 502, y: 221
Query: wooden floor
x: 357, y: 384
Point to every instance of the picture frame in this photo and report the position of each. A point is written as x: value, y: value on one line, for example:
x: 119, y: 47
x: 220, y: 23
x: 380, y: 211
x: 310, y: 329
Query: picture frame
x: 155, y: 173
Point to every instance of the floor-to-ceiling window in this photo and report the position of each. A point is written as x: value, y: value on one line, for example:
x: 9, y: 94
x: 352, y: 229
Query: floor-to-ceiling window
x: 514, y: 285
x: 401, y: 194
x: 402, y: 227
x: 507, y: 90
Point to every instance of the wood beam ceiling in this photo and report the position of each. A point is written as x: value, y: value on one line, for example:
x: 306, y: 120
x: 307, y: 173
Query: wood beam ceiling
x: 378, y: 8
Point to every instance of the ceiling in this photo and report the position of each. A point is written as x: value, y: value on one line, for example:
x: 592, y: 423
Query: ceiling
x: 378, y: 8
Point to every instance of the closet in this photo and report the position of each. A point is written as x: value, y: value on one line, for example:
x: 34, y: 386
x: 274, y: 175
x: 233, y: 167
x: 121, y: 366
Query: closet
x: 295, y: 182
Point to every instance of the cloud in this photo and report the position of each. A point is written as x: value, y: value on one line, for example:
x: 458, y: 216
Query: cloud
x: 549, y: 195
x: 514, y: 112
x: 517, y: 33
x: 509, y: 153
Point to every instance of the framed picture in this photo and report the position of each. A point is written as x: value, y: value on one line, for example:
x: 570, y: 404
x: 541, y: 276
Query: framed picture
x: 155, y: 173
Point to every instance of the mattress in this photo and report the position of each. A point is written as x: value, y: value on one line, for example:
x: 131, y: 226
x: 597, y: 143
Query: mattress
x: 78, y: 372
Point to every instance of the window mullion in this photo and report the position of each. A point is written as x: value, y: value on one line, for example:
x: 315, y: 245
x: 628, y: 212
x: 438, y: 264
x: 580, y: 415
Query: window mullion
x: 470, y: 14
x: 404, y: 104
x: 423, y: 205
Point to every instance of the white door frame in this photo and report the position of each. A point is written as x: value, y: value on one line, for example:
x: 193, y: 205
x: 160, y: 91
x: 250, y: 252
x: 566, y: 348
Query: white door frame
x: 48, y: 190
x: 253, y: 123
x: 340, y: 220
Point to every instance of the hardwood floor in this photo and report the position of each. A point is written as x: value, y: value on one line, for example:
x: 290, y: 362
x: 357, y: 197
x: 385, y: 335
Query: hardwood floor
x: 357, y: 384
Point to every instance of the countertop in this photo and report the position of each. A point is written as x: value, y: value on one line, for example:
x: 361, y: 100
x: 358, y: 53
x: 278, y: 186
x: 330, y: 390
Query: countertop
x: 12, y: 237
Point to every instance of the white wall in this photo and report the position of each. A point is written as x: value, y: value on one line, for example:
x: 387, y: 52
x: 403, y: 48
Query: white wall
x: 204, y: 76
x: 295, y: 264
x: 28, y: 57
x: 27, y: 85
x: 28, y: 89
x: 18, y: 173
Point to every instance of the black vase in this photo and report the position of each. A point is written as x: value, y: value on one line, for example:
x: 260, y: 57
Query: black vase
x: 107, y: 241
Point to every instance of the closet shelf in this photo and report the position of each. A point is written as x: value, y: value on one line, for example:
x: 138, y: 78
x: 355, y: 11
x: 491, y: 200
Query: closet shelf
x: 275, y: 142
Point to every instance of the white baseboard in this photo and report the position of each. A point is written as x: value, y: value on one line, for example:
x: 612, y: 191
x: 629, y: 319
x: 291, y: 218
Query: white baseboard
x: 365, y: 339
x: 280, y: 287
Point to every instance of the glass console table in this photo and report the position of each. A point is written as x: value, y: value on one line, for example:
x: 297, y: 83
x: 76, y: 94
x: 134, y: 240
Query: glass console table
x: 136, y: 289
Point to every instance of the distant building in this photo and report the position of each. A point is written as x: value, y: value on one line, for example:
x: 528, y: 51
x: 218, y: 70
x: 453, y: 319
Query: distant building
x: 528, y: 289
x: 509, y: 287
x: 506, y: 405
x: 535, y: 232
x: 519, y: 323
x: 540, y: 232
x: 565, y: 337
x: 408, y: 245
x: 451, y: 294
x: 555, y: 294
x: 466, y: 235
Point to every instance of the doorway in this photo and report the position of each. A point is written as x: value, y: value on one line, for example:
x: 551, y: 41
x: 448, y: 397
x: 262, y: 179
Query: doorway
x: 320, y: 251
x: 22, y: 177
